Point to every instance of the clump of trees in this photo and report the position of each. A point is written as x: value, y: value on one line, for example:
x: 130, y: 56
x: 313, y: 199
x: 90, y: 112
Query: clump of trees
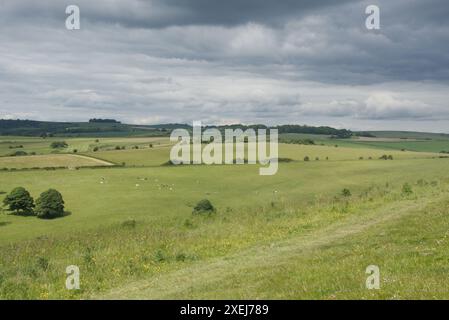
x: 94, y: 120
x: 385, y: 157
x: 337, y: 133
x: 58, y: 145
x: 297, y: 141
x: 49, y: 205
x: 346, y: 192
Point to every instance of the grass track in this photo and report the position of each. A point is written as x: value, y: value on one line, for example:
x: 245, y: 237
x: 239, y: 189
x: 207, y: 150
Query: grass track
x: 199, y: 281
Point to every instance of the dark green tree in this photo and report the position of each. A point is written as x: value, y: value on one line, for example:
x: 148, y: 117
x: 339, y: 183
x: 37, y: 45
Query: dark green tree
x: 50, y: 205
x: 20, y: 201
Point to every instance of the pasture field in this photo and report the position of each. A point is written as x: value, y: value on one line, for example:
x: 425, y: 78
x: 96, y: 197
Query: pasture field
x: 10, y: 144
x: 408, y: 145
x: 385, y: 140
x: 292, y: 235
x: 159, y: 155
x: 51, y: 160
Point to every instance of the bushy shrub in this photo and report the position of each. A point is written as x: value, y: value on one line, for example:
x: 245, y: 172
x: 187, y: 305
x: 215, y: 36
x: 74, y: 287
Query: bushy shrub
x: 129, y: 224
x: 407, y: 189
x: 203, y: 207
x: 58, y: 144
x: 50, y: 205
x: 385, y: 157
x: 18, y: 153
x: 20, y: 201
x: 306, y: 158
x: 285, y: 160
x: 95, y: 149
x: 346, y: 192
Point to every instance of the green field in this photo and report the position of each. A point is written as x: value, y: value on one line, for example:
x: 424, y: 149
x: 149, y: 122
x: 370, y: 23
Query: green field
x: 51, y: 160
x: 293, y: 235
x: 419, y: 146
x: 384, y: 140
x: 9, y: 144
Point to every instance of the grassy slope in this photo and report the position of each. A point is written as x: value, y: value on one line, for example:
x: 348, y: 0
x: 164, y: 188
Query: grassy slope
x: 418, y: 146
x: 326, y: 263
x: 410, y: 135
x: 160, y: 154
x: 417, y: 141
x: 118, y: 198
x: 319, y: 249
x: 42, y: 146
x: 50, y: 160
x: 288, y: 210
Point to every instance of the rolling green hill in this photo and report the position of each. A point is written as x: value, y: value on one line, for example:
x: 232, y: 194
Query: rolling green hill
x: 308, y: 231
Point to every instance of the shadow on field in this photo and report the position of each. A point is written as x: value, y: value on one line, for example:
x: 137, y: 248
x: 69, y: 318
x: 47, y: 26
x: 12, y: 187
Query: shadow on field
x: 65, y: 214
x: 4, y: 223
x: 21, y: 213
x: 28, y: 214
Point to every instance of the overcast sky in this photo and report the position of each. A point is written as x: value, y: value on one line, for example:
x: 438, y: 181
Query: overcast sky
x: 250, y: 61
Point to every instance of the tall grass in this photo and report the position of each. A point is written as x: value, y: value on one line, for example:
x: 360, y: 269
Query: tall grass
x: 114, y: 255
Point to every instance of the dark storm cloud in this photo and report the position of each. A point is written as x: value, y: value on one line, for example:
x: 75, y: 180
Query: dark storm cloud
x: 225, y: 61
x: 164, y: 13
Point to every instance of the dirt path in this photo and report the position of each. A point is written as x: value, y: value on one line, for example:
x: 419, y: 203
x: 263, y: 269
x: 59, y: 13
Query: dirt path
x: 214, y: 271
x: 99, y: 161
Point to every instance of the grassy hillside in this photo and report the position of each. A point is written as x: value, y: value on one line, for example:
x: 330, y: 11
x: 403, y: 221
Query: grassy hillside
x: 9, y: 145
x: 418, y: 146
x: 50, y: 161
x: 292, y: 235
x: 74, y: 129
x: 324, y: 259
x: 385, y: 140
x: 410, y: 135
